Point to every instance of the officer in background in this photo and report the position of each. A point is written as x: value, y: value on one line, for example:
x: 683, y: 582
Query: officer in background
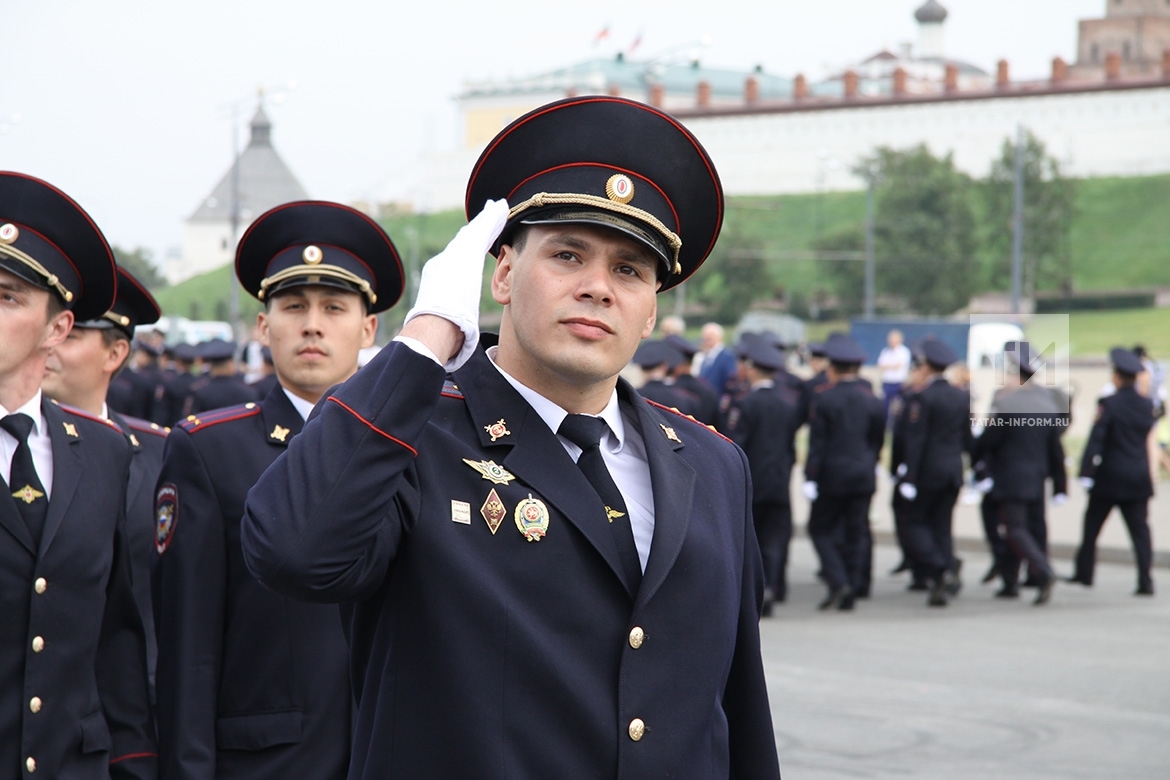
x: 176, y: 389
x: 764, y: 424
x: 1115, y: 469
x: 252, y: 684
x: 656, y: 359
x: 537, y: 559
x: 78, y: 372
x: 899, y: 505
x: 819, y: 365
x: 847, y: 428
x: 1022, y: 449
x: 930, y: 469
x: 74, y: 699
x: 222, y: 385
x: 267, y: 381
x: 701, y: 397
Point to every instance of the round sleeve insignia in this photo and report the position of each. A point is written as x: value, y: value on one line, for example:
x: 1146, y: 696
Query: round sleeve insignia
x: 312, y: 255
x: 619, y: 188
x: 166, y: 510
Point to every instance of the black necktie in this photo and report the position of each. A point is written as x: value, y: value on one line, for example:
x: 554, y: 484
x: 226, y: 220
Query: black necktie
x: 586, y: 433
x: 23, y: 483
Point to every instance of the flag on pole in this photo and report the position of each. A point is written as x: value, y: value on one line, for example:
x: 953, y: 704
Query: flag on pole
x: 601, y: 36
x: 637, y: 42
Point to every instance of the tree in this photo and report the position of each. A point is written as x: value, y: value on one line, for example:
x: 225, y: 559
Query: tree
x: 1049, y: 211
x: 140, y: 266
x: 736, y: 277
x: 845, y: 277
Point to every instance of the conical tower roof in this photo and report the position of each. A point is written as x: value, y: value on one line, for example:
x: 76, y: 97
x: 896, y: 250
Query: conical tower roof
x: 931, y: 11
x: 264, y: 180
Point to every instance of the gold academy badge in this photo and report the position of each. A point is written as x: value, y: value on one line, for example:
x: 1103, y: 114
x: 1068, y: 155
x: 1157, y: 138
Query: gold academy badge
x: 532, y: 518
x: 497, y: 475
x: 493, y: 511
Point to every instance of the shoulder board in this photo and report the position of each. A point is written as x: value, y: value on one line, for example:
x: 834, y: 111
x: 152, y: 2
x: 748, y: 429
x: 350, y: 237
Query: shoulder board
x: 73, y: 410
x: 822, y: 388
x: 451, y: 390
x: 197, y: 422
x: 146, y: 426
x: 677, y: 413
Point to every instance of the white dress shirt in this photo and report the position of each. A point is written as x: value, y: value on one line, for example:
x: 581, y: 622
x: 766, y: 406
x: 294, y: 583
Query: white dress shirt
x: 302, y: 406
x: 39, y: 442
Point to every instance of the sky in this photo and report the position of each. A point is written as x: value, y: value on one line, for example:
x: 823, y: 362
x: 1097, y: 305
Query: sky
x: 127, y: 105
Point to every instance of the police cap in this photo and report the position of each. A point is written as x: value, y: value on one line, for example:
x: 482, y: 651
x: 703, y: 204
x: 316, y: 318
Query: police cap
x: 935, y: 352
x: 843, y: 350
x: 133, y: 306
x: 1125, y: 361
x: 217, y: 350
x: 683, y: 345
x: 656, y: 353
x: 765, y: 355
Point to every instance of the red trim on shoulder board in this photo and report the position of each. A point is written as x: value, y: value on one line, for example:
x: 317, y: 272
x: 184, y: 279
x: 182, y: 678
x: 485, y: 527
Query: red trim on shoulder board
x: 73, y: 410
x: 677, y: 413
x: 195, y: 422
x: 373, y: 427
x: 145, y: 426
x: 129, y: 756
x: 451, y: 390
x: 166, y: 514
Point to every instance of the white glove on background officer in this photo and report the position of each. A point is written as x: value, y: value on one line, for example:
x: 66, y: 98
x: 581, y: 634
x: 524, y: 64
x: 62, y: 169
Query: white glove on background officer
x: 1086, y: 482
x: 1059, y: 499
x: 452, y: 280
x: 908, y: 491
x: 810, y: 490
x: 985, y: 485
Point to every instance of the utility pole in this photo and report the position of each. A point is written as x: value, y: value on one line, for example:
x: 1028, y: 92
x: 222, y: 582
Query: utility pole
x: 1018, y: 220
x: 869, y: 270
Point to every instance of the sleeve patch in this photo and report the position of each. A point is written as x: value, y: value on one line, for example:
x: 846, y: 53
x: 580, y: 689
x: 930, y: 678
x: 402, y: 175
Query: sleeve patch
x: 166, y: 510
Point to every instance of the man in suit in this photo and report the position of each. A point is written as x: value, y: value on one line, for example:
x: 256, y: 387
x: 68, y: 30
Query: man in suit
x: 764, y: 424
x: 717, y: 363
x: 74, y: 698
x: 1021, y: 448
x: 1115, y: 469
x: 79, y: 372
x: 930, y: 468
x: 250, y: 683
x: 847, y: 427
x: 555, y: 571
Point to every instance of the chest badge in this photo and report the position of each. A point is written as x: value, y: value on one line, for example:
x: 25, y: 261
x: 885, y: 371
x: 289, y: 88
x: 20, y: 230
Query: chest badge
x: 70, y: 429
x: 532, y: 518
x: 280, y: 433
x: 497, y: 475
x: 493, y: 511
x: 497, y: 430
x: 28, y: 494
x: 670, y: 434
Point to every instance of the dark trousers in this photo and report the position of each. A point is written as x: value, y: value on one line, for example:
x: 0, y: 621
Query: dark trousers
x: 1016, y: 521
x: 928, y: 530
x: 773, y: 522
x: 839, y: 528
x: 1135, y: 515
x: 1001, y: 551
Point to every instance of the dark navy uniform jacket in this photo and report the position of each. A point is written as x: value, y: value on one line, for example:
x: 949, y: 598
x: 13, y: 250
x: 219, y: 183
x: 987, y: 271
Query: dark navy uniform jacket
x: 250, y: 684
x: 936, y: 425
x: 1116, y: 456
x: 667, y: 395
x: 764, y: 423
x: 1020, y: 457
x: 70, y: 632
x: 847, y: 427
x: 480, y: 654
x: 216, y: 392
x: 147, y: 441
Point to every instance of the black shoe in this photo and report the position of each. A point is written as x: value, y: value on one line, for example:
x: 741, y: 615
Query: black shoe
x: 1078, y: 580
x: 991, y: 574
x: 938, y: 594
x: 846, y: 604
x: 1145, y: 590
x: 766, y: 603
x: 1044, y: 591
x: 1031, y: 582
x: 836, y: 598
x: 952, y: 582
x: 901, y: 567
x: 861, y: 593
x: 918, y: 585
x: 1007, y: 593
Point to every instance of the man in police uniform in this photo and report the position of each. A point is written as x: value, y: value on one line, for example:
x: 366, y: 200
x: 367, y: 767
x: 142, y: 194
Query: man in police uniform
x: 847, y: 427
x: 704, y: 400
x: 930, y: 469
x: 513, y: 613
x: 79, y: 372
x: 657, y: 359
x: 252, y: 684
x: 73, y: 683
x: 1115, y: 469
x: 221, y: 386
x: 764, y: 424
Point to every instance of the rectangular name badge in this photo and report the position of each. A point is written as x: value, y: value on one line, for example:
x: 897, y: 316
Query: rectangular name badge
x: 460, y: 512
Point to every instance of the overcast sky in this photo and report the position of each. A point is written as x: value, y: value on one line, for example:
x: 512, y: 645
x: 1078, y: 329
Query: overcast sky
x: 126, y: 104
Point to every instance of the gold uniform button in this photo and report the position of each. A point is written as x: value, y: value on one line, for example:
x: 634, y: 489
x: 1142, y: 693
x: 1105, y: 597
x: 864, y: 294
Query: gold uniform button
x: 38, y: 644
x: 637, y: 729
x: 34, y: 705
x: 41, y: 585
x: 30, y: 764
x: 637, y: 637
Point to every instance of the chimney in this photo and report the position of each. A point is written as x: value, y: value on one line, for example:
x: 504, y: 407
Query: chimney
x: 800, y: 86
x: 900, y: 81
x: 951, y: 78
x: 1002, y: 78
x: 1112, y: 66
x: 1059, y: 70
x: 850, y: 84
x: 751, y: 90
x: 703, y: 94
x: 615, y: 90
x: 657, y: 92
x: 1166, y: 64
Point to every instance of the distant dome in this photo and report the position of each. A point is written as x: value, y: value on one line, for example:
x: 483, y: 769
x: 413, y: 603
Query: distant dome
x: 931, y: 11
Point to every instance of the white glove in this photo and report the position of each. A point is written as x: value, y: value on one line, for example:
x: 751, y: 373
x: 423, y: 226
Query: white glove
x: 985, y: 485
x: 810, y: 491
x: 1086, y: 482
x: 908, y: 491
x: 452, y: 280
x: 901, y: 471
x: 1059, y: 499
x: 977, y: 430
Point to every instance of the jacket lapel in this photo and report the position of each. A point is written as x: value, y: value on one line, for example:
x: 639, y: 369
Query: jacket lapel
x: 534, y: 454
x: 137, y: 472
x: 281, y: 419
x: 66, y: 468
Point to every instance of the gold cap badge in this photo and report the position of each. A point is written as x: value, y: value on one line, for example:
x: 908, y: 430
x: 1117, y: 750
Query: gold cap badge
x: 619, y: 188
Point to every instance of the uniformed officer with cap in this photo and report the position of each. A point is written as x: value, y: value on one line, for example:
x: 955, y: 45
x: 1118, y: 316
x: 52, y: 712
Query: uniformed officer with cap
x: 79, y: 372
x: 73, y: 682
x: 252, y: 684
x: 846, y: 431
x: 1115, y: 469
x: 930, y: 471
x: 764, y: 424
x: 704, y: 400
x: 221, y: 386
x: 546, y: 575
x: 656, y: 359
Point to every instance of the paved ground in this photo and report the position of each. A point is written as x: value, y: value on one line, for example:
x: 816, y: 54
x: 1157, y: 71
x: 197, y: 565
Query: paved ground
x: 984, y: 688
